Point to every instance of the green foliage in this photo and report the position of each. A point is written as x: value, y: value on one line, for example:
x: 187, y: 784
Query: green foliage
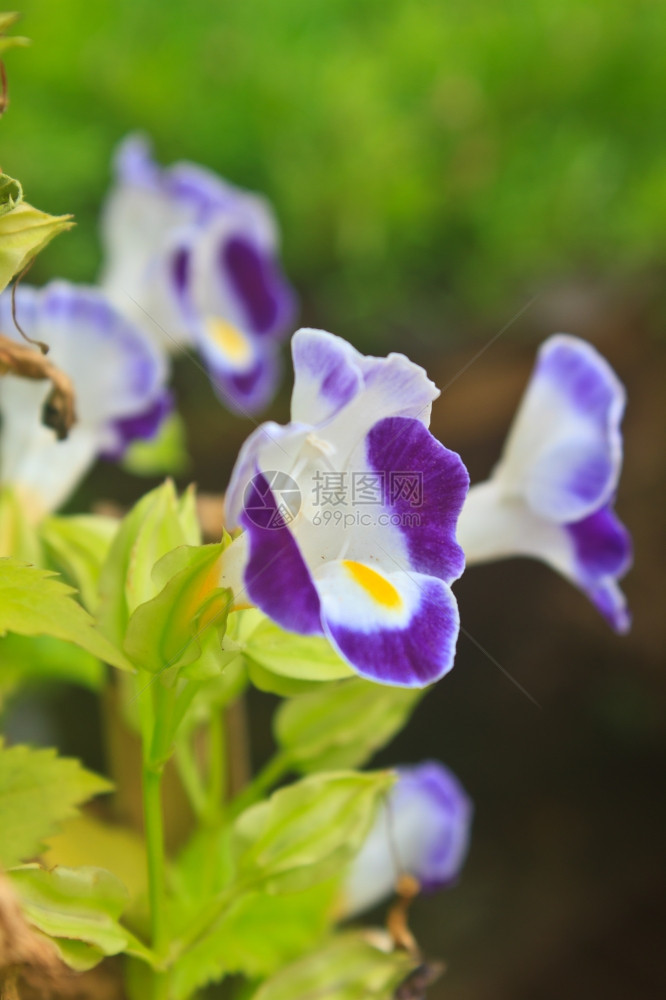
x: 27, y: 659
x: 347, y: 968
x: 158, y: 523
x: 24, y: 232
x: 38, y: 790
x: 7, y: 21
x: 166, y: 631
x: 79, y: 909
x: 305, y: 833
x: 78, y: 546
x: 424, y: 158
x: 11, y: 193
x: 257, y: 935
x: 342, y: 725
x: 18, y: 537
x: 165, y: 454
x: 33, y: 602
x: 295, y: 657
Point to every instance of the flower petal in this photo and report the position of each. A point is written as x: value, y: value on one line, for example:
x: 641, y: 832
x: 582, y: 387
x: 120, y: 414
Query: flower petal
x: 425, y: 486
x: 564, y: 451
x: 276, y: 577
x: 592, y: 553
x: 329, y: 376
x: 395, y: 628
x: 423, y: 831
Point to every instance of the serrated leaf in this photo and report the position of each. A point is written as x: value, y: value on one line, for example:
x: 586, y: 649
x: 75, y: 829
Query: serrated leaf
x: 165, y: 631
x: 77, y: 905
x: 24, y: 231
x: 343, y: 724
x: 257, y: 935
x: 305, y: 833
x: 38, y: 791
x: 78, y: 546
x: 165, y: 454
x: 347, y: 968
x: 34, y: 602
x: 298, y: 657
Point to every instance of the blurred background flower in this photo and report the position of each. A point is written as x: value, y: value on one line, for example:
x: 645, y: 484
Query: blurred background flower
x: 457, y: 181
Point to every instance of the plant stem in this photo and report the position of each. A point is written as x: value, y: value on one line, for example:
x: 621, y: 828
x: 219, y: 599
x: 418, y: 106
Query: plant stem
x: 217, y: 765
x: 152, y: 811
x: 275, y: 769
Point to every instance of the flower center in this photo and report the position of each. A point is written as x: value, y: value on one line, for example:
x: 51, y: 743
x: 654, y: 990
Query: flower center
x: 373, y: 583
x: 234, y: 344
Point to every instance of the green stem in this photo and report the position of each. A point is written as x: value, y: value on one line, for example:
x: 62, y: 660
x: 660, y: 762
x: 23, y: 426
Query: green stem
x: 217, y: 766
x: 275, y: 769
x: 155, y: 707
x: 152, y: 812
x: 188, y: 772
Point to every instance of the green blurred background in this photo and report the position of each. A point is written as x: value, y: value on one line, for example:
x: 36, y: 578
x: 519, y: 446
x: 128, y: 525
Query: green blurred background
x: 441, y: 170
x: 430, y: 160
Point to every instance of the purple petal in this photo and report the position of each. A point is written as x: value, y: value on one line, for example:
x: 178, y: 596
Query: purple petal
x: 276, y: 578
x: 326, y: 375
x: 439, y: 797
x: 247, y: 392
x: 265, y: 297
x: 140, y: 427
x: 564, y: 452
x: 602, y: 544
x: 413, y: 654
x: 426, y: 486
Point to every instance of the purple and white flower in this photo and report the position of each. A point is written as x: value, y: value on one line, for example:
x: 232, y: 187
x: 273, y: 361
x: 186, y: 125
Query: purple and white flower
x: 119, y: 379
x: 551, y: 495
x: 195, y: 259
x: 373, y: 577
x: 422, y: 831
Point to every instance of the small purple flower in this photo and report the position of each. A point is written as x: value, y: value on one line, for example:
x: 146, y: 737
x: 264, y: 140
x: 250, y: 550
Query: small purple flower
x: 196, y: 259
x: 350, y: 515
x: 423, y: 831
x: 551, y: 495
x: 119, y: 378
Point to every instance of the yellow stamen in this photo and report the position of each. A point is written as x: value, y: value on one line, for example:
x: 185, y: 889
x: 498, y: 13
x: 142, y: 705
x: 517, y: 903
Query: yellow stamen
x: 234, y: 343
x: 374, y: 584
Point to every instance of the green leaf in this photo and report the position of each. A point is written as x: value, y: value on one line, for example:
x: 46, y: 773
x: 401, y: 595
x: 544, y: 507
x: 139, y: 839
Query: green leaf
x: 257, y: 935
x: 164, y: 454
x: 18, y: 537
x: 33, y: 602
x: 347, y: 968
x: 343, y: 724
x: 305, y: 833
x: 79, y: 906
x: 165, y: 631
x: 85, y: 840
x: 11, y: 192
x: 24, y: 231
x: 26, y: 659
x: 150, y: 530
x: 78, y: 547
x: 38, y: 791
x: 297, y: 657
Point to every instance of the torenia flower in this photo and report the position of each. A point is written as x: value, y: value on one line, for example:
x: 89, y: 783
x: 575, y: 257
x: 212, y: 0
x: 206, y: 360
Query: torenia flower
x: 551, y: 495
x: 196, y: 260
x: 119, y: 381
x: 423, y: 831
x: 350, y: 514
